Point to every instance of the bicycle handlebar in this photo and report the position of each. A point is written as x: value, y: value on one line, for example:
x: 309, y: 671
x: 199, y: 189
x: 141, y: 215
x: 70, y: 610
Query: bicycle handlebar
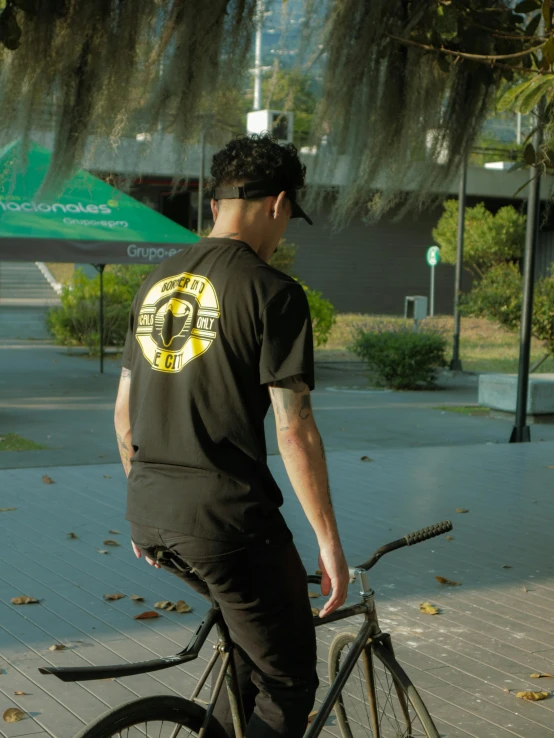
x: 411, y: 539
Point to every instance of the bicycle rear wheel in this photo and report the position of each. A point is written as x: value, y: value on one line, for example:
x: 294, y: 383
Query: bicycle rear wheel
x: 378, y: 699
x: 153, y: 717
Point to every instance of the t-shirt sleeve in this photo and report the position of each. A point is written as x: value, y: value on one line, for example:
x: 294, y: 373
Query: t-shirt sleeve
x: 287, y: 340
x: 130, y: 338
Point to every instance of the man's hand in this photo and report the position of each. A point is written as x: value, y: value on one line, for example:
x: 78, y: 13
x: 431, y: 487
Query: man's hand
x: 138, y: 554
x: 334, y: 578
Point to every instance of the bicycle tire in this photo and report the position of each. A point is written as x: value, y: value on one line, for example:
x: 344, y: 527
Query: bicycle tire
x: 393, y: 675
x: 157, y: 709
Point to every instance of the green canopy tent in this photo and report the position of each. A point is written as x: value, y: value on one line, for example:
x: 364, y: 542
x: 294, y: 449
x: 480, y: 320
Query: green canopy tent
x: 89, y: 222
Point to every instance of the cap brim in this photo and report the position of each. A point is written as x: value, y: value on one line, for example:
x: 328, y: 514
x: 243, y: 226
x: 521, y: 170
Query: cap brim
x: 297, y: 212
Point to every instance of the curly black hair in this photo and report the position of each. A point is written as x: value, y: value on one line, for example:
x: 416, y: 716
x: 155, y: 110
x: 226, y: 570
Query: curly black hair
x: 257, y: 157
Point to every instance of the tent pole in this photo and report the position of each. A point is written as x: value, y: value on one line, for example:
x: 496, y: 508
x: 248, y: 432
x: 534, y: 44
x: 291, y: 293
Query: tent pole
x: 100, y: 269
x: 521, y: 432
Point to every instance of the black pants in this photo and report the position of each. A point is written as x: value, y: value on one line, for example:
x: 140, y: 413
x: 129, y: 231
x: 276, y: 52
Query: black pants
x: 262, y: 592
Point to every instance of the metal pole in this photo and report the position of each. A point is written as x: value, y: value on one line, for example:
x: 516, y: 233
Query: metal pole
x: 432, y: 295
x: 100, y: 269
x: 456, y: 363
x: 521, y: 432
x: 518, y: 129
x: 200, y: 219
x: 258, y: 57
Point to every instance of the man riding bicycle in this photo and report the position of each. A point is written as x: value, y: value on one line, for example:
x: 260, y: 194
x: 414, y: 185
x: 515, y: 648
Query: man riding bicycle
x: 215, y: 336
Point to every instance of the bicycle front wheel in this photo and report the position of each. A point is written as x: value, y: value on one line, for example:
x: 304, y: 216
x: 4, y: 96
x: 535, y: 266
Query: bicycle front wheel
x: 378, y: 699
x: 153, y: 717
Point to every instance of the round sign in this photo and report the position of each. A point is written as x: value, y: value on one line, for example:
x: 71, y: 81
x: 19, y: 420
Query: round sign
x: 433, y: 256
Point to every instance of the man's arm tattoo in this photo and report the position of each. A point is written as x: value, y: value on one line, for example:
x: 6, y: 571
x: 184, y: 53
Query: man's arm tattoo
x: 125, y: 453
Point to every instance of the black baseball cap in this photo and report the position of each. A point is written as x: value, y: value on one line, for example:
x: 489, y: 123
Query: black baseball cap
x: 260, y: 188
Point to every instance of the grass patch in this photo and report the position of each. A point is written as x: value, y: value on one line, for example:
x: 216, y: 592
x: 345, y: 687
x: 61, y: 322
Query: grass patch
x: 13, y: 442
x: 464, y: 410
x: 62, y: 273
x: 484, y: 346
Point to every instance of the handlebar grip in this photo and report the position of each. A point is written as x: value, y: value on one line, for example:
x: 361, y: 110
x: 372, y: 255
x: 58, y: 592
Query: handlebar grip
x: 426, y: 533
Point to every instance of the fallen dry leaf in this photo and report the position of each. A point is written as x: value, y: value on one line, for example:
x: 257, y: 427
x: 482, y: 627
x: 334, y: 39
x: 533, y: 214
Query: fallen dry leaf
x: 137, y: 598
x: 21, y: 694
x: 72, y: 535
x: 524, y: 589
x: 461, y: 510
x: 24, y: 600
x: 532, y: 696
x: 366, y: 458
x: 506, y: 566
x: 147, y: 615
x: 315, y: 611
x: 541, y: 676
x: 7, y: 509
x: 114, y: 532
x: 313, y: 595
x: 107, y: 476
x: 57, y: 647
x: 448, y: 582
x: 109, y: 542
x: 47, y: 480
x: 449, y: 538
x: 318, y: 572
x: 14, y: 715
x: 428, y: 608
x: 164, y: 605
x: 311, y: 716
x: 101, y: 551
x: 116, y: 596
x: 182, y: 606
x: 507, y: 690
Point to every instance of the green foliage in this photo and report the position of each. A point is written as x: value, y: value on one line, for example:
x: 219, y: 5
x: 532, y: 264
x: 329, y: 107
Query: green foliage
x: 283, y: 258
x: 323, y: 314
x: 77, y: 321
x: 292, y: 90
x: 401, y: 358
x: 498, y: 297
x: 489, y: 239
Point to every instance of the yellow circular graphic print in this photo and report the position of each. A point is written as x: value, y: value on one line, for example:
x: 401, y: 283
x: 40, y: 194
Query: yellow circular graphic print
x: 177, y: 321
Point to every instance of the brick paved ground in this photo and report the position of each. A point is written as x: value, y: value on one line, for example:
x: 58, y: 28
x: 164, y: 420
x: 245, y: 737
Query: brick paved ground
x: 493, y: 631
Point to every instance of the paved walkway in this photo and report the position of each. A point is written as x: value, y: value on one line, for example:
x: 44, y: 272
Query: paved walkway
x: 61, y: 401
x: 493, y: 631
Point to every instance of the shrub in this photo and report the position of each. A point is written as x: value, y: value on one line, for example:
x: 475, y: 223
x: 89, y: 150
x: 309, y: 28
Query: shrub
x: 77, y: 321
x: 401, y: 358
x: 323, y: 314
x: 499, y: 297
x: 489, y: 239
x: 283, y: 258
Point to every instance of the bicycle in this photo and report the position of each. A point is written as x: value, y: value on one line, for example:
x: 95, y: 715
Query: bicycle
x: 381, y: 691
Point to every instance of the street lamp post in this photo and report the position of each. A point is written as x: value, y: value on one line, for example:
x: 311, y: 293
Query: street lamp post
x: 456, y: 363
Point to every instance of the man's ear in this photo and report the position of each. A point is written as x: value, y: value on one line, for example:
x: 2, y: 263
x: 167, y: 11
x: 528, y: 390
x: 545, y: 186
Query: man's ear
x: 280, y: 205
x: 215, y: 209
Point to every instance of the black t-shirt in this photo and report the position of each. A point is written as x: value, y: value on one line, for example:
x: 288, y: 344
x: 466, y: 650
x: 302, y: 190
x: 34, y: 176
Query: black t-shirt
x: 208, y: 329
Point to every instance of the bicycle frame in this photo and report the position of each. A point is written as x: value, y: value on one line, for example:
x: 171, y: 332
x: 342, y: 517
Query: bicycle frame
x: 225, y: 649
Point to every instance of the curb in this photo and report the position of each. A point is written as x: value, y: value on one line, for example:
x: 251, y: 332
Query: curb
x: 47, y: 274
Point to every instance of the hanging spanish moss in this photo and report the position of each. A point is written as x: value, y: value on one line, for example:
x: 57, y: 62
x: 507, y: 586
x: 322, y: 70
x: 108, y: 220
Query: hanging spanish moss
x: 396, y: 116
x: 108, y: 68
x: 406, y: 83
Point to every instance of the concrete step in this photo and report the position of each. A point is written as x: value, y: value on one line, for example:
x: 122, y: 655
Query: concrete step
x: 24, y: 281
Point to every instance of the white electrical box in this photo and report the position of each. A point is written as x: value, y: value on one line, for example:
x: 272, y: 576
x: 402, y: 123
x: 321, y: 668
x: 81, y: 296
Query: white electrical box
x: 277, y: 122
x: 415, y: 307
